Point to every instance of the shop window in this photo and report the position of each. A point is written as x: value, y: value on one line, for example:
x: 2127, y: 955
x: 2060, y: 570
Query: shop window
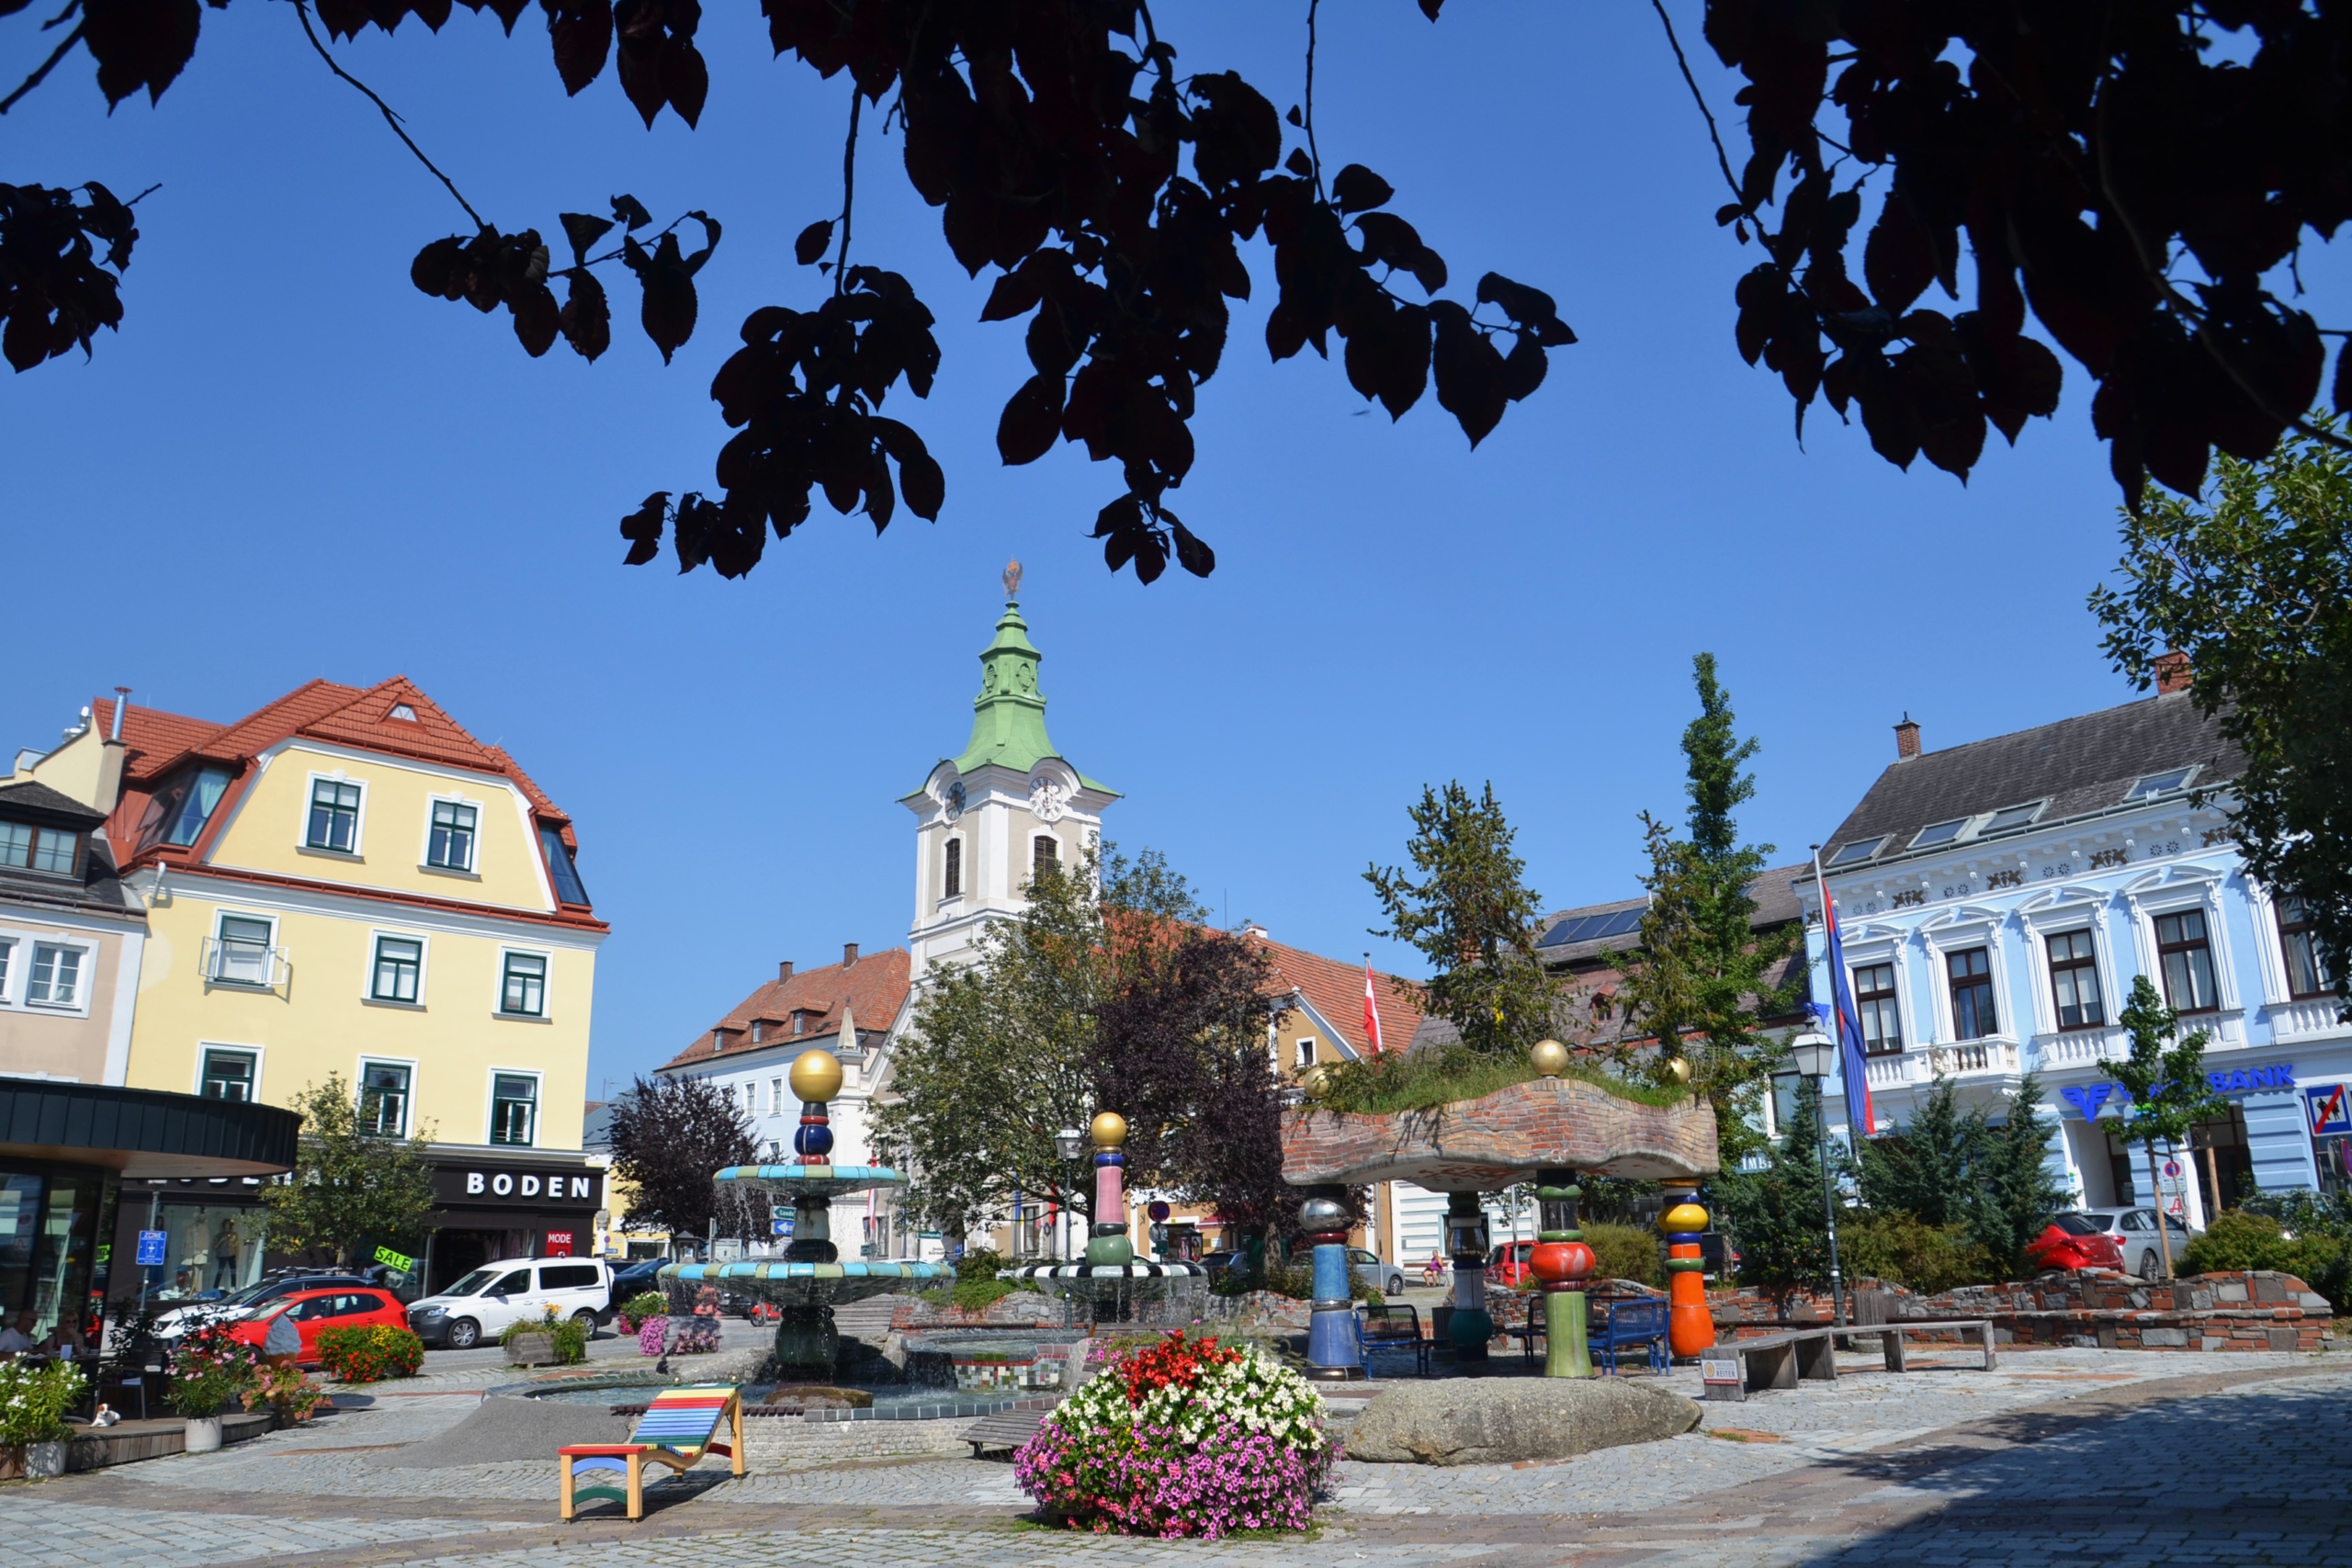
x: 2073, y: 981
x: 56, y: 977
x: 514, y: 1109
x: 228, y: 1075
x: 208, y: 1248
x: 334, y: 817
x: 2306, y: 970
x: 522, y: 989
x: 398, y: 962
x: 1973, y: 1013
x: 2185, y: 956
x: 1874, y: 1001
x: 383, y: 1098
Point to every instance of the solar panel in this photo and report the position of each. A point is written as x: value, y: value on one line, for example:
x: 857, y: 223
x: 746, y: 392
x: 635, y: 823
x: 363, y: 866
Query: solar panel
x: 1572, y: 930
x: 1620, y: 922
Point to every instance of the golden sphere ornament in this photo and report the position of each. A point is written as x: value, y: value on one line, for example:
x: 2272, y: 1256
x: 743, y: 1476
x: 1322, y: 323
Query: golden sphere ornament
x: 816, y: 1076
x: 1316, y: 1082
x: 1551, y: 1057
x: 1684, y: 1217
x: 1109, y: 1129
x: 1680, y: 1068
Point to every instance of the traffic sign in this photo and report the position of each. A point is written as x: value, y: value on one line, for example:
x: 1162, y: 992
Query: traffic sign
x: 779, y: 1211
x: 782, y: 1226
x: 2172, y: 1169
x: 150, y: 1248
x: 2331, y: 1108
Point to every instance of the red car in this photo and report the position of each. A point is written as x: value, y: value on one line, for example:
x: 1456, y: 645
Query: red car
x: 2076, y: 1241
x: 1508, y: 1264
x: 312, y: 1311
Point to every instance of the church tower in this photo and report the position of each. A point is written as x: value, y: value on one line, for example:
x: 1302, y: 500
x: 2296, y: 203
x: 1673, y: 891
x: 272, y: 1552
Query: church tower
x: 987, y: 819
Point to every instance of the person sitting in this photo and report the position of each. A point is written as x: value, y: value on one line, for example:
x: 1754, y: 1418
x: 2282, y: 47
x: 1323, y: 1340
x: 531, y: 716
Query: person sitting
x: 17, y: 1337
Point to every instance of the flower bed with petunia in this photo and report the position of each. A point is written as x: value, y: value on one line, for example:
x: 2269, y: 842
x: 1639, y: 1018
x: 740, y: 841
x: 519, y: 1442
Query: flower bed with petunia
x: 1184, y: 1437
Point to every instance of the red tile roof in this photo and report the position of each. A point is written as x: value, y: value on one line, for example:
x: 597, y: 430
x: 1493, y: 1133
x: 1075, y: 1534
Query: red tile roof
x: 157, y: 743
x: 1335, y: 989
x: 873, y: 988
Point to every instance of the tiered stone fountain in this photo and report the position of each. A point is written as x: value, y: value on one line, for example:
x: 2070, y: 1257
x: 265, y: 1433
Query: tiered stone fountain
x: 810, y: 1280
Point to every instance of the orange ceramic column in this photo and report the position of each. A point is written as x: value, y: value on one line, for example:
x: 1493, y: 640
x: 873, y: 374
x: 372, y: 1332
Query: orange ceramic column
x: 1691, y: 1327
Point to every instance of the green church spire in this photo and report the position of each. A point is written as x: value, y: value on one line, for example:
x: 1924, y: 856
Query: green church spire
x: 1009, y: 715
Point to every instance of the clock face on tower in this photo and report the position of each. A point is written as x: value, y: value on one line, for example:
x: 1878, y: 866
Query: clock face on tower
x: 954, y: 800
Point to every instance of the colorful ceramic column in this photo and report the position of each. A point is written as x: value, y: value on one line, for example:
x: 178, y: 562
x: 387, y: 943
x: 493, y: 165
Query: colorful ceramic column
x: 1691, y: 1327
x: 1106, y: 1242
x: 805, y: 1335
x: 1332, y: 1354
x: 1465, y: 1228
x: 1562, y: 1262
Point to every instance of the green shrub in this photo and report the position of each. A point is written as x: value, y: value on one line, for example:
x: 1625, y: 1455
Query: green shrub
x: 2239, y: 1240
x: 638, y: 1308
x: 34, y: 1400
x: 1903, y: 1249
x: 371, y: 1354
x: 1625, y: 1252
x: 209, y: 1370
x: 979, y: 1295
x: 979, y: 1263
x: 570, y: 1339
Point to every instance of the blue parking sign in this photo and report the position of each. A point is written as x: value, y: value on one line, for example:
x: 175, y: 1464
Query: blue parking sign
x: 2330, y: 1106
x: 150, y: 1248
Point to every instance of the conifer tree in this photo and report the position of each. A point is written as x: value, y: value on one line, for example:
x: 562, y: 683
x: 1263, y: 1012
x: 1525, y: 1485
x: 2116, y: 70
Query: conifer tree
x: 2013, y: 1193
x: 1927, y: 1168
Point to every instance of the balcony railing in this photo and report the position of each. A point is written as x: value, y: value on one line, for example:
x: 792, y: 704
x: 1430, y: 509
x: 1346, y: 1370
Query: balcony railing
x: 1992, y: 1056
x: 229, y: 960
x: 2306, y: 1020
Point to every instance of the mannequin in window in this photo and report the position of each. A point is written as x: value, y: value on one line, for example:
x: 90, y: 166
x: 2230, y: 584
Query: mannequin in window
x: 226, y: 1244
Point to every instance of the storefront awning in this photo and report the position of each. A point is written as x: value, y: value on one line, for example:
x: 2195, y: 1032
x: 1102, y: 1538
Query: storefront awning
x: 143, y: 1133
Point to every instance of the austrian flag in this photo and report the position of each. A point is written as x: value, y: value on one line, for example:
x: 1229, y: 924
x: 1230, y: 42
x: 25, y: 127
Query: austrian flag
x: 1371, y: 1009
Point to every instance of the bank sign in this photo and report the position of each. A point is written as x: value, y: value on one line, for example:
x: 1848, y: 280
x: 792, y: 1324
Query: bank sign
x: 2087, y: 1101
x: 563, y: 1189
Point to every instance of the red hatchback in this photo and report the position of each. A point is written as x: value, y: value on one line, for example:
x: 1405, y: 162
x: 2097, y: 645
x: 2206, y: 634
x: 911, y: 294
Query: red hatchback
x: 2073, y: 1240
x: 312, y: 1311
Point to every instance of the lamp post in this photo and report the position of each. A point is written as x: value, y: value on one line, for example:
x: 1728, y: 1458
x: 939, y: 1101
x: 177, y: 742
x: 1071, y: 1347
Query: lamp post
x: 1814, y: 1054
x: 1070, y: 1145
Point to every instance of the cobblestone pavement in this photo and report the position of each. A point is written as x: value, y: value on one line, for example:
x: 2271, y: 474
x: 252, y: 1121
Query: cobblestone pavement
x: 2078, y: 1456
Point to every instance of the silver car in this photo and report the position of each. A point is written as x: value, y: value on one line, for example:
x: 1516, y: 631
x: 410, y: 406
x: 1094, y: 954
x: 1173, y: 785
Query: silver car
x: 1387, y: 1278
x: 2134, y: 1230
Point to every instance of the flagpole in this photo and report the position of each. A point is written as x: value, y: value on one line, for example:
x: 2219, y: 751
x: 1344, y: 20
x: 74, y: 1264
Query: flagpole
x: 1820, y: 1118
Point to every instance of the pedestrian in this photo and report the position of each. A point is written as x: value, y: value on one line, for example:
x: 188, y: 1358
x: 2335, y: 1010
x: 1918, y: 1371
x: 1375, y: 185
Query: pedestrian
x: 17, y: 1337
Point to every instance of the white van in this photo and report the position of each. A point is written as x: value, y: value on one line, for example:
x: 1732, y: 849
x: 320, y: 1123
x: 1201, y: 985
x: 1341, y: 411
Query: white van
x: 482, y: 1304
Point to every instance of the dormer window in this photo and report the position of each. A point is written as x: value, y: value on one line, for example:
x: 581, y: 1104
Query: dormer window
x: 566, y: 876
x: 178, y: 814
x: 402, y: 711
x: 2010, y: 817
x: 1939, y: 833
x: 1858, y: 850
x: 759, y: 1030
x: 2153, y: 785
x: 49, y: 850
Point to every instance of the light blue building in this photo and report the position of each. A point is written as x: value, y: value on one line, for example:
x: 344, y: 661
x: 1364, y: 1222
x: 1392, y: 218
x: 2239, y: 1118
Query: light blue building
x: 1995, y: 900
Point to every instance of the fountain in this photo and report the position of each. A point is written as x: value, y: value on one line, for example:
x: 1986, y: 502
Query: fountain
x: 1112, y: 1278
x: 810, y: 1280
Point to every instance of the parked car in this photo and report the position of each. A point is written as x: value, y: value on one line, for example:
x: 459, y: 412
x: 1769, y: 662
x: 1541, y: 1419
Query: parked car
x: 483, y: 1304
x: 1387, y: 1278
x: 312, y: 1311
x: 1510, y: 1264
x: 233, y: 1306
x: 638, y: 1278
x: 2134, y: 1230
x: 1220, y: 1263
x: 2075, y: 1240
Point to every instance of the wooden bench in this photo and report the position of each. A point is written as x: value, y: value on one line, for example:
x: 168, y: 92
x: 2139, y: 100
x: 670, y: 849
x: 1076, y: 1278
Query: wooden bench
x: 1007, y: 1429
x: 679, y: 1426
x: 1890, y: 1335
x: 1737, y: 1367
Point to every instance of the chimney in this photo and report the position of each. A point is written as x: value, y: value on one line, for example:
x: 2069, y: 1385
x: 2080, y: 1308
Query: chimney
x: 1907, y: 738
x: 849, y: 953
x: 783, y: 970
x: 2171, y: 673
x: 122, y: 700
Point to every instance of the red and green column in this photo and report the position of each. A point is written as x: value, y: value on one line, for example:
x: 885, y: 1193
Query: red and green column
x: 1562, y: 1262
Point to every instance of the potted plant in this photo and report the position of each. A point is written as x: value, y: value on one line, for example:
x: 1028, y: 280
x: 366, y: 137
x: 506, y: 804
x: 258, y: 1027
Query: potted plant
x: 33, y: 1402
x: 635, y: 1312
x: 211, y: 1371
x: 547, y: 1341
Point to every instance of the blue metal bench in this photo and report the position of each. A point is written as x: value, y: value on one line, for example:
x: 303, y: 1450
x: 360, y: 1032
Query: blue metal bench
x: 1628, y: 1324
x: 1392, y: 1327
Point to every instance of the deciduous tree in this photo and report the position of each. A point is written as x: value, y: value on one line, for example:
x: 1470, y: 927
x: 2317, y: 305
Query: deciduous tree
x: 352, y: 1188
x: 671, y: 1137
x: 2165, y: 1081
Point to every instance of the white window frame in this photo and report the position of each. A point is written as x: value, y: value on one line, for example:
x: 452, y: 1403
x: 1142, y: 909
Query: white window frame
x: 775, y: 1097
x: 546, y: 984
x: 358, y: 850
x: 1886, y: 948
x: 1963, y: 930
x: 375, y: 934
x: 2175, y: 890
x: 2188, y: 782
x: 275, y: 952
x: 85, y: 973
x: 11, y: 972
x: 490, y: 1104
x: 408, y: 1106
x: 257, y: 1052
x: 2070, y: 909
x: 472, y: 868
x: 1302, y: 1052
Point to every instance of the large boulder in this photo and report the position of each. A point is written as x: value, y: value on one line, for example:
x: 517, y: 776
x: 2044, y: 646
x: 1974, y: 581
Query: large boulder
x: 1504, y: 1420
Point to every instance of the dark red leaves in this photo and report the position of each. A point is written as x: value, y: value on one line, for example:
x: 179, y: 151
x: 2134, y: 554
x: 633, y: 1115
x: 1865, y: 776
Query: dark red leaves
x: 1032, y: 417
x: 668, y: 313
x: 587, y: 317
x: 1356, y: 190
x: 491, y: 269
x: 659, y: 62
x: 582, y: 31
x: 55, y: 292
x: 813, y: 243
x: 140, y: 43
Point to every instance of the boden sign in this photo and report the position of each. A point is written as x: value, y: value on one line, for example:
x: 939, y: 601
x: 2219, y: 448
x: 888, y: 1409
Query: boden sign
x: 474, y: 1186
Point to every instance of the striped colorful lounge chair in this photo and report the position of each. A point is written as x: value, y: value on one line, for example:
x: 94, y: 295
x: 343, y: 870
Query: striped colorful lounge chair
x: 680, y: 1427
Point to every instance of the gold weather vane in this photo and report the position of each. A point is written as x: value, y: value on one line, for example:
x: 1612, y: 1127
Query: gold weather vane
x: 1012, y: 578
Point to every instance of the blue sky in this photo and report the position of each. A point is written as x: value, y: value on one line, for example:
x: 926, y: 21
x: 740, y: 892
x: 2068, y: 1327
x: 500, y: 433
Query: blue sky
x: 292, y: 464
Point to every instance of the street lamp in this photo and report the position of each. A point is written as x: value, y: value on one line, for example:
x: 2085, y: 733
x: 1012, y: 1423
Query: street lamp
x: 1070, y: 1145
x: 1815, y: 1055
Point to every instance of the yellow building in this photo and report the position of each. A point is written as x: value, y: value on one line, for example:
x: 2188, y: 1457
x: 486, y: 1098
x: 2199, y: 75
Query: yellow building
x: 347, y: 883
